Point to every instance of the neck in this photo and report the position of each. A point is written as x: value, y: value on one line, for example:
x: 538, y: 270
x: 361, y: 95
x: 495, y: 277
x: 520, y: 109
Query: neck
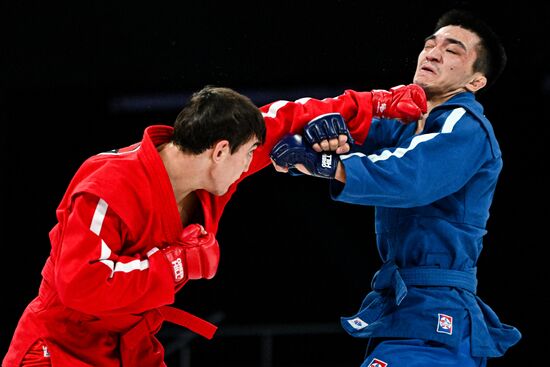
x: 184, y: 170
x: 433, y: 101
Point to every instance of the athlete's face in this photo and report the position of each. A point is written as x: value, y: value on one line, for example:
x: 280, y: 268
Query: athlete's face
x: 233, y: 166
x: 445, y: 64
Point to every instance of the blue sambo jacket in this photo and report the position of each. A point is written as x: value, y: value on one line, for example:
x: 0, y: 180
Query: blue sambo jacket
x: 432, y: 192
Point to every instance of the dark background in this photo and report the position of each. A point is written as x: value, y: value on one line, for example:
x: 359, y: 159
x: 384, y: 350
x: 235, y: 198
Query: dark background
x: 87, y: 76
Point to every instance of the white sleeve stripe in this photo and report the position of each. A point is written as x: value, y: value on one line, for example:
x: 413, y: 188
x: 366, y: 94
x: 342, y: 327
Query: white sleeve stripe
x: 104, y: 257
x: 448, y: 126
x: 346, y: 156
x: 99, y: 216
x: 95, y: 227
x: 135, y: 264
x: 132, y: 265
x: 452, y: 119
x: 272, y: 112
x: 125, y: 267
x: 303, y: 100
x: 105, y: 251
x: 400, y: 152
x: 276, y: 106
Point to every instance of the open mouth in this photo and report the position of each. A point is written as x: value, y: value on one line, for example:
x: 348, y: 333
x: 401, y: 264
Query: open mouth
x: 428, y: 69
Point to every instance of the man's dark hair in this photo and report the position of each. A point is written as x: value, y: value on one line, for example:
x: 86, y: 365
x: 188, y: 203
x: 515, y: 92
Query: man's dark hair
x: 491, y: 56
x: 216, y: 113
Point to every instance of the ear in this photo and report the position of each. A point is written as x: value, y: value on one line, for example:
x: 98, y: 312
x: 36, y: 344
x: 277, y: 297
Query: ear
x: 220, y: 151
x: 478, y: 81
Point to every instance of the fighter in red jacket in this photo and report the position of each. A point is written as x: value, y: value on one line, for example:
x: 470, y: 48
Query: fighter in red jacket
x: 136, y: 224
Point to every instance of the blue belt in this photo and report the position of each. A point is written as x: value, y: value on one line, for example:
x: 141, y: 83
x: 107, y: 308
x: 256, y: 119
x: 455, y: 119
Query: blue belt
x: 390, y: 276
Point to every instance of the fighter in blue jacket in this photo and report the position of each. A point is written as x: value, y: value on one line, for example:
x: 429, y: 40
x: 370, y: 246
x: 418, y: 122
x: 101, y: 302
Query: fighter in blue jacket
x: 432, y: 183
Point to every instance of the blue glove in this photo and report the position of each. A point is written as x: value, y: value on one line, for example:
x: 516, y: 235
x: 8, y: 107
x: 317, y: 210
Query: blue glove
x: 326, y: 127
x: 292, y: 150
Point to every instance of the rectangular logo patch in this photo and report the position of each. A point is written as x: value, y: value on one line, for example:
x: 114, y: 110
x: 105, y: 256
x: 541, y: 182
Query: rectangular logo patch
x: 444, y: 324
x: 377, y: 363
x: 357, y: 323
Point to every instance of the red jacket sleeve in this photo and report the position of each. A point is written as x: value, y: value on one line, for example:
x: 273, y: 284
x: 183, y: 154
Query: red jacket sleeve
x: 283, y: 117
x: 94, y: 276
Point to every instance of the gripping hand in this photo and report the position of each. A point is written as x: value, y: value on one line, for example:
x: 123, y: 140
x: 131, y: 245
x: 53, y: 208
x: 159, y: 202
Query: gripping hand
x: 292, y: 150
x: 406, y: 103
x: 326, y: 127
x: 194, y: 256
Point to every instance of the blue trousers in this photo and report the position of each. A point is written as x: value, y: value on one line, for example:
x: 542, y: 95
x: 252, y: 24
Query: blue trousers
x: 421, y: 353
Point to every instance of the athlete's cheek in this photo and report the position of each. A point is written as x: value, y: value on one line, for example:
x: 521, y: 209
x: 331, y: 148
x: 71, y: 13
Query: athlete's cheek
x: 247, y: 164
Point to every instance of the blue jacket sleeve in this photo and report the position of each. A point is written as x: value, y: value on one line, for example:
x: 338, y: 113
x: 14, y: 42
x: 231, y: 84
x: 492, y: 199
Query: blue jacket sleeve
x: 421, y: 168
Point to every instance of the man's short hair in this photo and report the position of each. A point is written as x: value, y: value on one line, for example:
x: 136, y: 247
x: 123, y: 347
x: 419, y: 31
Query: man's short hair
x: 217, y: 113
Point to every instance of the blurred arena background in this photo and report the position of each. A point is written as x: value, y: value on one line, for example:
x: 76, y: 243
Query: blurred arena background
x: 83, y: 77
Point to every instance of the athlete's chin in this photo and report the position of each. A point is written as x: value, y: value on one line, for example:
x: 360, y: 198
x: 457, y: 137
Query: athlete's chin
x: 422, y: 82
x: 219, y: 191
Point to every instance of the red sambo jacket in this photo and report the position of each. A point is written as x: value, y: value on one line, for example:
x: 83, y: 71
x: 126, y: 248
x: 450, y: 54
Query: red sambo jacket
x: 102, y: 297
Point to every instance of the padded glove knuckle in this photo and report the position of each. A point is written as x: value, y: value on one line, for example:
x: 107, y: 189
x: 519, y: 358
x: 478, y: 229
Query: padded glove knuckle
x: 326, y: 127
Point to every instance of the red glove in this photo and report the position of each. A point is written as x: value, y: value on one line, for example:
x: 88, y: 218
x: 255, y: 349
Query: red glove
x: 406, y: 103
x: 194, y: 256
